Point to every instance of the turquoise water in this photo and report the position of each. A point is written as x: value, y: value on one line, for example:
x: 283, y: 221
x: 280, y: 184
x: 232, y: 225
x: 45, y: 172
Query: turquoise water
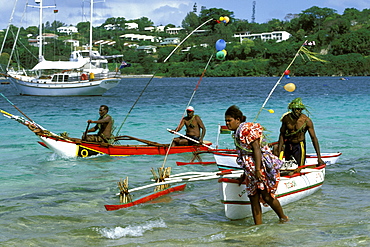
x: 46, y: 200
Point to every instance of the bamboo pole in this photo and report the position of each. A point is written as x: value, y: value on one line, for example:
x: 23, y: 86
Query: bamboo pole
x: 277, y: 83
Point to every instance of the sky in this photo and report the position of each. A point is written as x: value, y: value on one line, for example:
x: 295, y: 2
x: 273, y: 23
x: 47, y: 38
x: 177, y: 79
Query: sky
x: 161, y: 12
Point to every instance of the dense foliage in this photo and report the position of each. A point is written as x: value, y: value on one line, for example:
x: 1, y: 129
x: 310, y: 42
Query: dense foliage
x: 342, y: 40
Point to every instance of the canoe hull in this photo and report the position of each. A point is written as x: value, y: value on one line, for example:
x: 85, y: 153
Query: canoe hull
x: 70, y: 149
x: 227, y: 161
x: 83, y: 88
x: 290, y: 189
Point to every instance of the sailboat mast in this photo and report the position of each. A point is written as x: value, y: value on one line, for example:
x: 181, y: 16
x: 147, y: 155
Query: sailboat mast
x: 91, y: 28
x: 41, y: 6
x: 41, y: 58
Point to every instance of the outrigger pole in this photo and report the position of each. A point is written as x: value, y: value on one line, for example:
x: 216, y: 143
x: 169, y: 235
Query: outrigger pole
x: 16, y: 107
x: 277, y: 83
x: 132, y: 107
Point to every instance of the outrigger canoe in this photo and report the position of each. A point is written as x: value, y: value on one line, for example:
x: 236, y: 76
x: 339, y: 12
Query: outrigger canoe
x: 146, y: 198
x: 227, y: 160
x: 74, y: 147
x: 290, y: 189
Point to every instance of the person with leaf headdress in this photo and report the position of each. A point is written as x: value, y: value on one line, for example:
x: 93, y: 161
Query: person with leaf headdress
x: 294, y: 125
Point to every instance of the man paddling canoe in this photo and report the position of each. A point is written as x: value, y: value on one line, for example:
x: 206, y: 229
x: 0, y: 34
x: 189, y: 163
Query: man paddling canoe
x: 105, y: 126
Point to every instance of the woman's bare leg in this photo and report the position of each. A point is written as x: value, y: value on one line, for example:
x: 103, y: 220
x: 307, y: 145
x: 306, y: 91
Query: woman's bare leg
x: 256, y: 208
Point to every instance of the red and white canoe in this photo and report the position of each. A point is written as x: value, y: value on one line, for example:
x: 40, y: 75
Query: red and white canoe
x: 74, y: 147
x: 69, y: 148
x: 290, y: 189
x: 227, y: 160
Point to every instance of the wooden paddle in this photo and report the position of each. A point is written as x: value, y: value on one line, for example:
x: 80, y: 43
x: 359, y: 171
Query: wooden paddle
x: 189, y: 138
x: 85, y: 134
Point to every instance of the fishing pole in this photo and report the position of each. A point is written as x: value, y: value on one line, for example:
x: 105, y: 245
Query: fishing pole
x: 277, y: 83
x: 191, y: 98
x: 165, y: 60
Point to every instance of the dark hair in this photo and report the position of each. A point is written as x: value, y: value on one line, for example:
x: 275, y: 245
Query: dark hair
x: 105, y: 107
x: 234, y: 112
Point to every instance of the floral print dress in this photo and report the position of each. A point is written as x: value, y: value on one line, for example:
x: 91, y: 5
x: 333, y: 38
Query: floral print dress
x: 270, y: 165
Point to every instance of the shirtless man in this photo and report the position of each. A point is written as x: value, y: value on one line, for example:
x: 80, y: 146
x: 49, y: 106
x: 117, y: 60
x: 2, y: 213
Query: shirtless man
x: 105, y: 126
x: 294, y: 126
x: 195, y: 129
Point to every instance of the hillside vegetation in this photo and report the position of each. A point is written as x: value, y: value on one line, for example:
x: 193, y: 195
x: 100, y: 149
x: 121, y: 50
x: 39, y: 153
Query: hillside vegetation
x: 341, y: 40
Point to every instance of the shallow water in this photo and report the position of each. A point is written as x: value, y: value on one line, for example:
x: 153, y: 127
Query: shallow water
x: 48, y: 200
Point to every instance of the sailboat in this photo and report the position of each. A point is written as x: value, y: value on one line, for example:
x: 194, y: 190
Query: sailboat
x: 77, y: 77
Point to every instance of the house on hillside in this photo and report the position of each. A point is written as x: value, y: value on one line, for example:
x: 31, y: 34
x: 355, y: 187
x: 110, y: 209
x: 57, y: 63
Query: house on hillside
x: 67, y: 30
x: 112, y: 27
x: 147, y: 48
x: 131, y: 25
x: 139, y: 37
x: 276, y: 35
x: 170, y: 41
x: 154, y: 29
x: 72, y: 42
x: 174, y: 30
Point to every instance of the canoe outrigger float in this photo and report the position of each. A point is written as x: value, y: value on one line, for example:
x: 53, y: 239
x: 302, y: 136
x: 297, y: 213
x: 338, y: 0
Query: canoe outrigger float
x: 74, y: 147
x: 161, y: 183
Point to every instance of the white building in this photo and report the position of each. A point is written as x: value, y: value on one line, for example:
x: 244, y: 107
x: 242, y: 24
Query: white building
x: 67, y: 30
x: 147, y: 48
x: 111, y: 27
x: 73, y: 42
x: 170, y: 41
x: 131, y: 25
x: 156, y: 29
x: 139, y: 37
x: 276, y: 35
x: 174, y: 30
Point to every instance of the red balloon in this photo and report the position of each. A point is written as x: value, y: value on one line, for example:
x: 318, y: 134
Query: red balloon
x: 287, y: 72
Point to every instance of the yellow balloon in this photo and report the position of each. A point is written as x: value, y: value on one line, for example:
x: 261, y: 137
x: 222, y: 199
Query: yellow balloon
x: 221, y: 18
x: 271, y: 111
x: 226, y: 19
x: 225, y: 52
x: 290, y: 87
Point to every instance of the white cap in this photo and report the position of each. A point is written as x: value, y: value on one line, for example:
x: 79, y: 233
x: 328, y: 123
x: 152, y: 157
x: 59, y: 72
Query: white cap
x: 190, y: 108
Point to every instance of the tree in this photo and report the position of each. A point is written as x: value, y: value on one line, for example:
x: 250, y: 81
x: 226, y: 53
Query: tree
x: 311, y: 19
x: 143, y: 22
x: 354, y: 42
x: 191, y: 21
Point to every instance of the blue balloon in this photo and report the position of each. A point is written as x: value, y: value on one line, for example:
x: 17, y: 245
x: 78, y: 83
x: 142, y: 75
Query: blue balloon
x: 287, y: 76
x: 220, y: 45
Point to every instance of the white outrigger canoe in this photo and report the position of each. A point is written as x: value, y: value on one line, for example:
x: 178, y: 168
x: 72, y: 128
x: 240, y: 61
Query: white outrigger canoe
x: 227, y: 160
x: 290, y: 189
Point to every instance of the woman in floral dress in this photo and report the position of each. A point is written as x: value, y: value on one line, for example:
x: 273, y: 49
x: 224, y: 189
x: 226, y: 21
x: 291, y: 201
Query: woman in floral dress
x: 261, y: 168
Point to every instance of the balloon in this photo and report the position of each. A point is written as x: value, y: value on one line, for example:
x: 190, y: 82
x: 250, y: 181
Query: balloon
x: 290, y: 87
x: 287, y: 72
x: 220, y: 55
x: 220, y: 44
x: 222, y: 18
x: 226, y: 19
x: 271, y: 111
x: 287, y: 76
x: 225, y: 52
